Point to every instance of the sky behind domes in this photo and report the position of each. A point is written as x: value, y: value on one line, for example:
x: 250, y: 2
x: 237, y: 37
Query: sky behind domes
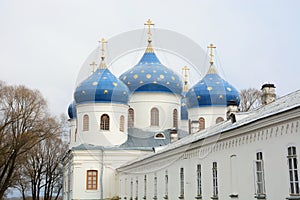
x: 44, y: 43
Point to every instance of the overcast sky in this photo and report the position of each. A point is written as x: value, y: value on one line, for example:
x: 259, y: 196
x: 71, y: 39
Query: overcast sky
x: 43, y: 44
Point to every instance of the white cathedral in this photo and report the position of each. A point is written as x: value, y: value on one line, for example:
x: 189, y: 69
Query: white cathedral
x: 146, y: 135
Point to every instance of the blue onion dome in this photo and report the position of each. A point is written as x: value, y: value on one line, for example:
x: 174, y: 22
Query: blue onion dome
x: 212, y: 90
x: 183, y: 109
x: 149, y: 75
x: 72, y: 111
x: 101, y: 87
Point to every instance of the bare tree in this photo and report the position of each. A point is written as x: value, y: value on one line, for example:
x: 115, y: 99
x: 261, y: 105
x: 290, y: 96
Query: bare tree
x: 250, y: 99
x: 24, y: 122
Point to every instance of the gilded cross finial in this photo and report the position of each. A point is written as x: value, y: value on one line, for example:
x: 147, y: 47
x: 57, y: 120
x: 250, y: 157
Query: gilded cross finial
x: 93, y: 64
x: 102, y: 41
x: 149, y: 23
x: 185, y: 86
x: 211, y: 55
x: 102, y: 63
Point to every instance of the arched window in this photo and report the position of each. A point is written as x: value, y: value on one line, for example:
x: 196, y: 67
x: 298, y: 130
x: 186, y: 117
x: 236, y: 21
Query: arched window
x: 130, y: 117
x: 104, y: 124
x: 85, y: 123
x: 175, y: 118
x: 219, y: 119
x: 159, y: 136
x: 122, y: 124
x: 201, y: 123
x: 154, y: 117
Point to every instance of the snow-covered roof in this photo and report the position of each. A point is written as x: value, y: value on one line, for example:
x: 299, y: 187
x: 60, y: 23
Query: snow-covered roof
x: 280, y: 105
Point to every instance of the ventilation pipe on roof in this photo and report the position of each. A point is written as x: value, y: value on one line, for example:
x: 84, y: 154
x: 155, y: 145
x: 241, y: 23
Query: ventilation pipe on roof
x: 268, y: 93
x: 232, y: 109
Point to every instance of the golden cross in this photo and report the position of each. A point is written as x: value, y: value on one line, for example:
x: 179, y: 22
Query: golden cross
x: 93, y: 64
x: 149, y: 23
x: 102, y: 41
x: 211, y: 55
x: 185, y: 86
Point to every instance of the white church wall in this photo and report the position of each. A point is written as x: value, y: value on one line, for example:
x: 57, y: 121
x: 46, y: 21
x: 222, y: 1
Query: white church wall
x: 94, y: 135
x: 210, y: 114
x: 143, y: 102
x: 235, y: 154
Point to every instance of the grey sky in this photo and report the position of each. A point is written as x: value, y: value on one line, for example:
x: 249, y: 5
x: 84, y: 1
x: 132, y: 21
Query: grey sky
x: 44, y: 43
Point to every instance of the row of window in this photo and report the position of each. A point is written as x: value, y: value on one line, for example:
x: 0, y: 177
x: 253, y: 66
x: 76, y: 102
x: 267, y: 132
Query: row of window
x: 104, y: 120
x: 260, y: 192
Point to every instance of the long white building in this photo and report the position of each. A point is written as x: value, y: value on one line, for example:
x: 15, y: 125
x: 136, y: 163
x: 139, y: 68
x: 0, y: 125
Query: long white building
x: 144, y: 135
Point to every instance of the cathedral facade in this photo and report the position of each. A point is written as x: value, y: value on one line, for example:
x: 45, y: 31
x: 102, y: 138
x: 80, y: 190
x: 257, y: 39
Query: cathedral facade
x: 146, y: 135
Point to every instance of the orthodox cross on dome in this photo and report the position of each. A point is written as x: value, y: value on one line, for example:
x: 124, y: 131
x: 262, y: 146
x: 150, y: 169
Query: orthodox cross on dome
x: 93, y: 64
x: 211, y: 69
x: 102, y: 64
x: 211, y: 55
x: 185, y: 86
x: 149, y: 23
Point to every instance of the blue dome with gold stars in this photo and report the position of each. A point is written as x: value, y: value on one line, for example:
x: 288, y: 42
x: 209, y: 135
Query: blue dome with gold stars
x: 101, y: 87
x: 149, y: 75
x: 72, y: 110
x: 212, y: 90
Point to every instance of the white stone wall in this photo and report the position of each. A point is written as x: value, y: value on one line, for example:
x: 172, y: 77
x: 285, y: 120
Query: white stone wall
x: 94, y: 135
x: 143, y: 102
x: 82, y: 160
x: 210, y: 114
x: 235, y: 153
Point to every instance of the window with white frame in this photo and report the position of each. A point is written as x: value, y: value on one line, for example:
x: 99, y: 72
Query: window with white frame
x: 91, y: 179
x: 155, y: 186
x: 154, y: 117
x: 181, y: 176
x: 104, y: 122
x: 199, y: 189
x: 293, y: 171
x: 201, y: 123
x: 145, y: 186
x: 85, y: 123
x: 259, y: 175
x: 215, y: 180
x: 166, y: 184
x: 175, y: 118
x: 122, y: 123
x: 130, y: 117
x: 136, y: 188
x: 131, y: 189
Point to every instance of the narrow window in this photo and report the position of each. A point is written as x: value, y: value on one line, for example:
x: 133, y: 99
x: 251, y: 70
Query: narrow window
x: 122, y: 123
x: 166, y: 184
x: 85, y: 123
x: 175, y: 118
x: 154, y: 117
x: 75, y: 135
x: 293, y: 171
x: 219, y: 119
x: 131, y: 189
x: 155, y: 186
x: 215, y: 180
x: 130, y: 117
x: 181, y: 183
x: 199, y: 189
x: 259, y: 175
x: 137, y: 188
x: 92, y: 180
x: 145, y: 186
x: 201, y: 123
x: 104, y: 125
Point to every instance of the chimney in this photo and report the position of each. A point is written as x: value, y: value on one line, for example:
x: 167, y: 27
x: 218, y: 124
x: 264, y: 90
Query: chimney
x: 268, y: 93
x: 232, y: 108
